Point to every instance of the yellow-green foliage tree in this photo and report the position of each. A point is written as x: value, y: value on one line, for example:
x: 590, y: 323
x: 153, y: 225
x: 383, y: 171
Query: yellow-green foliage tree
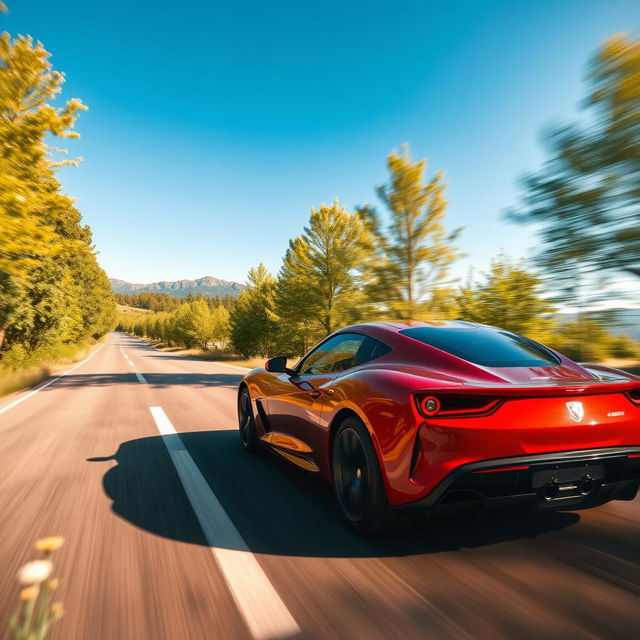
x: 585, y: 201
x: 509, y: 296
x: 254, y: 327
x: 408, y: 279
x: 319, y: 282
x: 193, y: 324
x: 584, y: 340
x: 52, y: 290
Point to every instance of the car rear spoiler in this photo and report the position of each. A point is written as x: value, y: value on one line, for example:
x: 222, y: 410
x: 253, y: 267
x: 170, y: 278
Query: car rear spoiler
x: 546, y: 389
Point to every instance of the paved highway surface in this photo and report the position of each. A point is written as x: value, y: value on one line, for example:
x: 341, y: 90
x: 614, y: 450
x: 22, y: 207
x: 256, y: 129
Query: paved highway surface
x: 185, y: 536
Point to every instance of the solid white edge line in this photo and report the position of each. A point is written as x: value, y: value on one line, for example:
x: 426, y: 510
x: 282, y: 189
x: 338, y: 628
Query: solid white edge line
x: 50, y: 382
x: 260, y: 605
x: 140, y: 377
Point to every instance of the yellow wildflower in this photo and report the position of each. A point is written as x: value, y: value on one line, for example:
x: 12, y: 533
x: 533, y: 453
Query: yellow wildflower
x: 53, y: 584
x: 49, y: 544
x: 30, y: 593
x: 56, y: 609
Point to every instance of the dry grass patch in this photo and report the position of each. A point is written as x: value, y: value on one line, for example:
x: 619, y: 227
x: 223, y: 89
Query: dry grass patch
x: 210, y: 355
x: 12, y: 380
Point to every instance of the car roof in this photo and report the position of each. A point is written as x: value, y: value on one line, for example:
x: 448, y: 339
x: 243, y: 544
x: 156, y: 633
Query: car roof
x: 395, y: 326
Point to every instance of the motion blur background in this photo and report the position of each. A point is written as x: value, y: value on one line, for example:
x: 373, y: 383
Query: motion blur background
x: 213, y: 129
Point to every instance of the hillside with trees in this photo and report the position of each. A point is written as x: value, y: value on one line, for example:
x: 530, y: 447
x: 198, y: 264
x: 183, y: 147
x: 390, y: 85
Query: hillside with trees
x: 208, y: 287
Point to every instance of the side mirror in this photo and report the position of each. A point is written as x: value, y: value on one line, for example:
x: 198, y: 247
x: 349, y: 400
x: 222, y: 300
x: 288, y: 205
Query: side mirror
x: 278, y: 365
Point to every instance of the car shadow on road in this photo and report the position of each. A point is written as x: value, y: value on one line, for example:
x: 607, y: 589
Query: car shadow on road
x: 278, y: 509
x: 157, y: 380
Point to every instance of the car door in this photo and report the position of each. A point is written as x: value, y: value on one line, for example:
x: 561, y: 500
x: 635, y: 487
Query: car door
x: 295, y: 402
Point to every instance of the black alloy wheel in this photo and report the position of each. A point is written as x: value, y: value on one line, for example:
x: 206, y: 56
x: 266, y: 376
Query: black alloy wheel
x: 357, y: 480
x: 247, y: 423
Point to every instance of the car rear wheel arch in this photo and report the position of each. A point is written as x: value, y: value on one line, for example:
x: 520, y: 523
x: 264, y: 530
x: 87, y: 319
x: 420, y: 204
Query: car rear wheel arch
x: 338, y: 419
x: 248, y: 436
x: 373, y: 513
x: 241, y: 388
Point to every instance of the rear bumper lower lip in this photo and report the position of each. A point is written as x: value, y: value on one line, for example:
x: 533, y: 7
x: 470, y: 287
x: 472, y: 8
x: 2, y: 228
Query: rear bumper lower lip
x: 525, y: 463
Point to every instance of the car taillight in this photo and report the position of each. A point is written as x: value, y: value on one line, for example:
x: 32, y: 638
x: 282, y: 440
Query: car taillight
x: 430, y: 405
x: 634, y: 395
x: 456, y: 406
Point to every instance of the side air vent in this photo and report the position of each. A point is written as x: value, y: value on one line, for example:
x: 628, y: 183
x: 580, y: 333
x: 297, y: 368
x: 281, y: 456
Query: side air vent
x: 634, y: 395
x: 263, y: 416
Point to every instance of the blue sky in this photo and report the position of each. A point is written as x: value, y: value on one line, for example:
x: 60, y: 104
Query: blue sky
x: 214, y: 127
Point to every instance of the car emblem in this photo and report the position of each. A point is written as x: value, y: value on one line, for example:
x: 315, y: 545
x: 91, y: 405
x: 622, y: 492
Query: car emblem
x: 576, y: 410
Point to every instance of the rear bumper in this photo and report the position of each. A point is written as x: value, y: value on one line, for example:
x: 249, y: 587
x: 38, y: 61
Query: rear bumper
x: 562, y: 480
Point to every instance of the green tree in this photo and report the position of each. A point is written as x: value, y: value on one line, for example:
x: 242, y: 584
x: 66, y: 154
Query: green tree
x: 52, y: 290
x: 585, y: 202
x: 583, y: 340
x: 221, y: 325
x: 509, y: 296
x: 623, y: 346
x: 192, y: 324
x: 254, y: 328
x: 319, y: 282
x: 414, y: 253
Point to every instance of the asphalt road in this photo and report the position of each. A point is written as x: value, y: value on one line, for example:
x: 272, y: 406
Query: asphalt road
x: 188, y: 537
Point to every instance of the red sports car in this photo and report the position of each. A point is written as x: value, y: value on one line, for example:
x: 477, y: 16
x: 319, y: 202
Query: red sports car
x: 442, y: 415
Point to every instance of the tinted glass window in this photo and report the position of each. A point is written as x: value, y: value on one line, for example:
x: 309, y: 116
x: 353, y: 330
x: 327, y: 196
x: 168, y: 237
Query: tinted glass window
x: 485, y: 346
x: 342, y: 352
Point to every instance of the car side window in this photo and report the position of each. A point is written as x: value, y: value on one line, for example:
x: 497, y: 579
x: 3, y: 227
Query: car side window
x: 334, y: 355
x: 371, y: 349
x: 342, y: 352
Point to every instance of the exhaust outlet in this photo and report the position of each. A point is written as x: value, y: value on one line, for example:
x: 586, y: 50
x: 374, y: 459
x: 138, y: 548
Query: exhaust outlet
x: 550, y: 491
x: 586, y: 485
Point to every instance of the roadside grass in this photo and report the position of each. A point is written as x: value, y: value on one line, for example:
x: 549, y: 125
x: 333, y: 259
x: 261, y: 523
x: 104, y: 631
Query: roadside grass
x: 210, y: 355
x: 12, y: 380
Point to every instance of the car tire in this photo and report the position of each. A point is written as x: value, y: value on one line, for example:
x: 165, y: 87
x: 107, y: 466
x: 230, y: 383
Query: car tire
x: 247, y: 423
x: 357, y: 481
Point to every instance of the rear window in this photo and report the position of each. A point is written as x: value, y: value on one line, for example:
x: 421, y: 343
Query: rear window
x: 485, y: 346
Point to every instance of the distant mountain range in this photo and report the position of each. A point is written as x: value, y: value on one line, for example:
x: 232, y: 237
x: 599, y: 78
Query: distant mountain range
x: 207, y: 287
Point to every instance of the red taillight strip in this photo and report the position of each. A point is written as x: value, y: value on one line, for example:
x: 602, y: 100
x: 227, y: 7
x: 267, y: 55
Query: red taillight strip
x: 483, y: 410
x: 464, y: 412
x: 515, y: 468
x: 634, y: 455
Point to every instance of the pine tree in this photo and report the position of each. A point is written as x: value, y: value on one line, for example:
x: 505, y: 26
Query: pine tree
x: 254, y: 328
x: 509, y: 297
x: 319, y: 282
x: 414, y: 253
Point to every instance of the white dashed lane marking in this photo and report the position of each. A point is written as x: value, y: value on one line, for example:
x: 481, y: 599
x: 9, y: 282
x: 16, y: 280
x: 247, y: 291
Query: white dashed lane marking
x: 260, y: 605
